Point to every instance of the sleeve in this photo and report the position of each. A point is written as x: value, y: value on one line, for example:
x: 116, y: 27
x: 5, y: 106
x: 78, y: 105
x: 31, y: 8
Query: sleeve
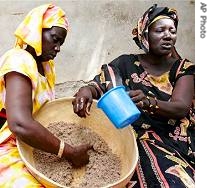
x: 20, y: 62
x: 185, y: 68
x: 109, y: 76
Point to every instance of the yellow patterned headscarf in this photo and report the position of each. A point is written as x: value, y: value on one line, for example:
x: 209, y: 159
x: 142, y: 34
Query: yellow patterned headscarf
x: 30, y: 30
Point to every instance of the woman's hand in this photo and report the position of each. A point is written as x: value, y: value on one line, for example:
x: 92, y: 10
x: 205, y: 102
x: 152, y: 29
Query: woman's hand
x: 82, y: 101
x: 139, y: 98
x: 77, y: 155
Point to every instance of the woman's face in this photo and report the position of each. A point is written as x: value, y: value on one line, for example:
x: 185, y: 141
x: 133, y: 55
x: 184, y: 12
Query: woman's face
x: 162, y: 36
x: 52, y: 39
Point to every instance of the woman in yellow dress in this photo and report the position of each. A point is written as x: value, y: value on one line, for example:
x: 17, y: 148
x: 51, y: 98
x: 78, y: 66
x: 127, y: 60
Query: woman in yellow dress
x: 27, y: 80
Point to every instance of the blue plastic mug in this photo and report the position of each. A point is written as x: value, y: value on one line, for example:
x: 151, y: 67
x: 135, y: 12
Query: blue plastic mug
x: 118, y: 107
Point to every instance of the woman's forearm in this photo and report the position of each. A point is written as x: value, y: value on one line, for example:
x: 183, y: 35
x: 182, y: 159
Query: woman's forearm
x: 36, y: 136
x: 168, y: 109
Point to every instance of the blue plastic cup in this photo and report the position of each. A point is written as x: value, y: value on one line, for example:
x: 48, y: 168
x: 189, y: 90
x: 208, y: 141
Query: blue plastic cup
x: 118, y: 107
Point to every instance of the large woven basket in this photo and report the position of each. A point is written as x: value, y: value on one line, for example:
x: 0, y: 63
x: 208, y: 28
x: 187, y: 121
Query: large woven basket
x: 121, y: 141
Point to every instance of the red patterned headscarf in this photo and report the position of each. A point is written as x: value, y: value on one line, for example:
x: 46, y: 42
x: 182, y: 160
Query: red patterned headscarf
x: 153, y: 14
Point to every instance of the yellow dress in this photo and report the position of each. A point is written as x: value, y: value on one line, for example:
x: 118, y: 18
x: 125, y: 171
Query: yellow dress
x: 13, y: 172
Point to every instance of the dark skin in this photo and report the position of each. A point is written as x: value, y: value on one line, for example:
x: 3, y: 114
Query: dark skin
x: 19, y: 112
x: 162, y: 38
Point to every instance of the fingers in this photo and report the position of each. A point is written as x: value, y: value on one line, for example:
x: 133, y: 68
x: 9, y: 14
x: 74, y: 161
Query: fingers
x: 134, y: 93
x: 79, y: 106
x: 81, y: 156
x: 140, y: 104
x: 87, y: 109
x: 82, y: 102
x: 84, y: 148
x: 89, y: 146
x: 138, y: 97
x: 80, y: 161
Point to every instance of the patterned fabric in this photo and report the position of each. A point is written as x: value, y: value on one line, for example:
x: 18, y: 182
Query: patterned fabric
x: 153, y: 14
x: 3, y: 117
x: 45, y: 16
x: 166, y: 146
x: 13, y: 172
x: 43, y: 90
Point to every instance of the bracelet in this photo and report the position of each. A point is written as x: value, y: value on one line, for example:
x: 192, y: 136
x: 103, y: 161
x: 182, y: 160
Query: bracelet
x: 61, y: 148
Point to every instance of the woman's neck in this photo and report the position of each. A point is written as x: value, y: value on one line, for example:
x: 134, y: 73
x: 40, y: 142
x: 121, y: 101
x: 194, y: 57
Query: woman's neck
x: 156, y: 65
x: 37, y: 59
x: 159, y: 60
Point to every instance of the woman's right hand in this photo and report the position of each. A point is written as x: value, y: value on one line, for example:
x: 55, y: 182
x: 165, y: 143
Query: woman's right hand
x: 77, y: 155
x: 139, y: 98
x: 82, y: 101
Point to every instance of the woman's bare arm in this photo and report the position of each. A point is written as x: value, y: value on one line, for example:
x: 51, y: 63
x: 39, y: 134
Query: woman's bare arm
x: 19, y: 114
x: 177, y: 107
